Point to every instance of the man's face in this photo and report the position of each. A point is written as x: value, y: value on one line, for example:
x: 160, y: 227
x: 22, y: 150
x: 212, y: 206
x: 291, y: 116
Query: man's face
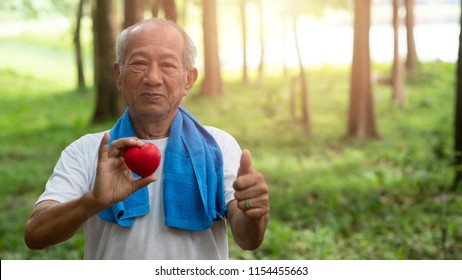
x: 153, y: 79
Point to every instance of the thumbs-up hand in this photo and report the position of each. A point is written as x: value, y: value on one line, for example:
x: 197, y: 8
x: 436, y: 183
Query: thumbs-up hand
x: 251, y: 189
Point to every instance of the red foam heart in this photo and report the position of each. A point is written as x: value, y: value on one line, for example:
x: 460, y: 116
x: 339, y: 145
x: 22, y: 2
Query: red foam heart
x: 144, y: 160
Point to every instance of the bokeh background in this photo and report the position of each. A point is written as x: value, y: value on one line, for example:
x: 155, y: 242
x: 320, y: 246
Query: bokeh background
x: 348, y: 108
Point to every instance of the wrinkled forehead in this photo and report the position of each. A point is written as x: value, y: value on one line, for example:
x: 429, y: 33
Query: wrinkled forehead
x: 152, y: 34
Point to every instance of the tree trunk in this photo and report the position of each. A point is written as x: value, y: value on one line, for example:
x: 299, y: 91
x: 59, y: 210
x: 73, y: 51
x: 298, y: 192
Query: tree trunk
x: 242, y: 3
x: 411, y: 59
x: 104, y: 35
x: 134, y: 12
x: 78, y: 50
x: 285, y: 71
x: 155, y: 7
x: 458, y: 120
x: 261, y: 65
x: 399, y: 96
x: 292, y: 100
x: 169, y: 8
x: 361, y: 123
x: 304, y: 84
x: 212, y: 83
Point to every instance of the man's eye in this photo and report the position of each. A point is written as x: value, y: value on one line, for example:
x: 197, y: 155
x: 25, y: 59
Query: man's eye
x: 169, y: 68
x: 167, y: 65
x: 138, y: 65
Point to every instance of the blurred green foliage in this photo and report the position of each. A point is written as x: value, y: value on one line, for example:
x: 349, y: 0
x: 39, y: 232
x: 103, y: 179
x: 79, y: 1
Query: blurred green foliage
x: 331, y: 197
x: 27, y: 9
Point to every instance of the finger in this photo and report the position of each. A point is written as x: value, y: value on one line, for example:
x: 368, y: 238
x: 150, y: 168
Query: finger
x: 141, y: 182
x: 126, y: 142
x: 245, y: 164
x: 251, y: 192
x: 118, y: 146
x: 248, y: 180
x: 103, y: 149
x: 256, y: 213
x: 255, y: 202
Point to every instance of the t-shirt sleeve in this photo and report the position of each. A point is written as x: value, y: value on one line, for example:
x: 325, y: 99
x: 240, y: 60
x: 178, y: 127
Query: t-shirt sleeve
x: 71, y: 177
x: 231, y: 159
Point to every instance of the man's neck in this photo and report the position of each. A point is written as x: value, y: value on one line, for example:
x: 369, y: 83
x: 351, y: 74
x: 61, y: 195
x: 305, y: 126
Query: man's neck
x: 152, y: 128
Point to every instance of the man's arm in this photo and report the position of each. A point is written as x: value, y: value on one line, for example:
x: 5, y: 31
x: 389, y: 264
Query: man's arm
x: 52, y: 222
x: 248, y: 213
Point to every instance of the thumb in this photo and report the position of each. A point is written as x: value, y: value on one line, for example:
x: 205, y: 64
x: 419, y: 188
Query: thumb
x: 246, y: 163
x: 103, y: 147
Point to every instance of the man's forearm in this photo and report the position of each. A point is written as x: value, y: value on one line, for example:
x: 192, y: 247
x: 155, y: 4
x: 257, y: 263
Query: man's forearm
x: 53, y: 222
x: 247, y: 232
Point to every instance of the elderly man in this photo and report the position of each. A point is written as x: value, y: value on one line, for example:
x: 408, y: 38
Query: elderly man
x: 180, y: 211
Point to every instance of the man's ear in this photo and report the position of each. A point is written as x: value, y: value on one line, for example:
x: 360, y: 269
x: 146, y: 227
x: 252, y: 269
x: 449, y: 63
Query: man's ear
x: 117, y: 75
x: 191, y: 78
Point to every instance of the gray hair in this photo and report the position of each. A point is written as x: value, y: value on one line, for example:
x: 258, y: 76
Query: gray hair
x: 189, y: 50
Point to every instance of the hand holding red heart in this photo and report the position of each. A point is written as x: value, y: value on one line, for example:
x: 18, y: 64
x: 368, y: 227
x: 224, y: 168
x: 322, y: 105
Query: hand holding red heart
x: 251, y: 189
x: 114, y: 181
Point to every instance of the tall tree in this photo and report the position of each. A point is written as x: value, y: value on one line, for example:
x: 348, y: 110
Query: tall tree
x: 155, y: 7
x: 261, y: 65
x: 78, y: 49
x: 242, y: 9
x: 284, y: 28
x: 168, y: 6
x: 361, y: 123
x: 212, y: 83
x: 411, y: 59
x: 306, y: 123
x: 399, y: 94
x: 104, y: 34
x: 458, y: 119
x: 293, y: 9
x: 133, y: 11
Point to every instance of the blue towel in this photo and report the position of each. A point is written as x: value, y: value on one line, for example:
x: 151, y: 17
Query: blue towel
x: 193, y: 192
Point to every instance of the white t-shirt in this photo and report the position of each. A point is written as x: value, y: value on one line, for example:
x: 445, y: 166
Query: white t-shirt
x: 148, y: 238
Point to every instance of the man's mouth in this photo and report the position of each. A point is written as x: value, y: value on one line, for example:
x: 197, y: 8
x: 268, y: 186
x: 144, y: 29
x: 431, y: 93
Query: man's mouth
x: 152, y: 96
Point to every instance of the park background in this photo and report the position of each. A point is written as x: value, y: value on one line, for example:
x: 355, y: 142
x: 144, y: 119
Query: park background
x: 333, y: 196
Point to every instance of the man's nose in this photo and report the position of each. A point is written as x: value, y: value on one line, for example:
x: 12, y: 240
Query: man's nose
x: 153, y: 75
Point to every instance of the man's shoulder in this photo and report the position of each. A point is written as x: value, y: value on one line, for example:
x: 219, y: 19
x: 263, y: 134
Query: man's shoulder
x: 226, y: 141
x: 219, y: 134
x: 87, y: 142
x: 91, y: 138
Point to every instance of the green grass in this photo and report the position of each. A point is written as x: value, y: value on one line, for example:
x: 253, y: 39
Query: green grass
x: 331, y: 197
